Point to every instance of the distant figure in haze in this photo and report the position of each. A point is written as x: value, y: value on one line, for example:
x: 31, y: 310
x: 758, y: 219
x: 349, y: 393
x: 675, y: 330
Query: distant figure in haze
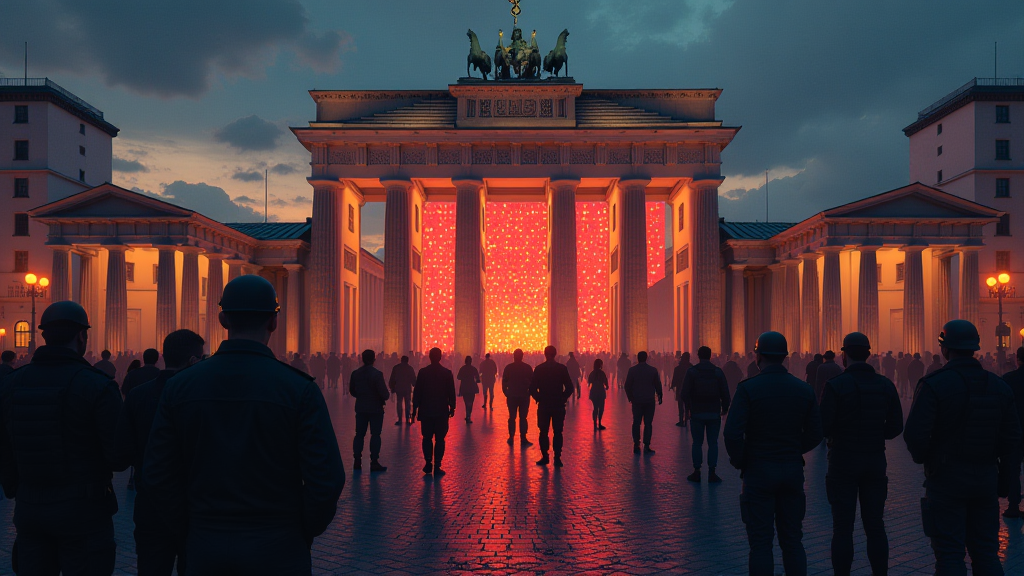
x: 678, y: 376
x: 515, y: 384
x: 318, y: 369
x: 433, y: 403
x: 825, y: 372
x: 642, y: 385
x: 551, y: 388
x: 889, y: 367
x: 575, y: 373
x: 403, y: 378
x: 622, y: 367
x: 915, y: 371
x: 935, y: 365
x: 106, y: 365
x: 706, y: 394
x: 902, y: 380
x: 753, y: 369
x: 488, y: 376
x: 332, y: 368
x: 7, y: 358
x: 148, y: 371
x: 1015, y: 380
x: 811, y: 372
x: 371, y: 394
x: 468, y: 389
x: 733, y: 372
x: 298, y: 363
x: 597, y: 381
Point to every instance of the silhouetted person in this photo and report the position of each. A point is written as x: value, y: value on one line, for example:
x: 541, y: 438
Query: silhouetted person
x: 298, y: 363
x: 964, y: 428
x: 57, y: 449
x: 678, y: 376
x: 148, y: 371
x: 367, y: 386
x: 332, y: 367
x: 706, y: 394
x: 106, y: 365
x: 915, y: 371
x: 811, y: 372
x: 516, y: 379
x: 889, y: 367
x: 597, y: 381
x: 826, y: 371
x: 551, y: 387
x: 433, y: 403
x: 7, y: 358
x: 902, y: 381
x: 773, y: 422
x: 242, y: 455
x: 573, y: 366
x: 643, y: 385
x: 1015, y: 380
x: 622, y: 367
x: 733, y: 372
x: 860, y: 410
x: 468, y: 389
x: 403, y: 378
x: 318, y: 369
x: 753, y: 369
x: 935, y: 365
x: 488, y: 376
x: 156, y: 546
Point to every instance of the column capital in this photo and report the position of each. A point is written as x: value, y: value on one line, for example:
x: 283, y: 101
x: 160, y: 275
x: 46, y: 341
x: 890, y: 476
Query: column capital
x: 737, y: 267
x: 868, y: 248
x: 562, y: 183
x: 188, y: 249
x: 325, y: 183
x: 968, y: 248
x: 463, y: 183
x: 791, y: 261
x: 293, y: 267
x: 809, y: 256
x: 217, y: 256
x: 116, y: 248
x: 635, y: 183
x: 913, y: 248
x: 707, y: 183
x: 778, y: 265
x: 60, y: 247
x: 831, y: 249
x: 403, y: 184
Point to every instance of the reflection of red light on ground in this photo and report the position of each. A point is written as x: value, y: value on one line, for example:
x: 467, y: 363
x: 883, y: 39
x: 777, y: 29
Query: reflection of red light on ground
x: 439, y: 275
x: 592, y: 272
x: 517, y: 285
x: 655, y: 242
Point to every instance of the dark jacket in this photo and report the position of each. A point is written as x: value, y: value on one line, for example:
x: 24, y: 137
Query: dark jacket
x: 811, y: 371
x: 434, y: 395
x: 961, y: 426
x: 1015, y: 380
x: 468, y: 378
x: 860, y: 410
x: 826, y: 371
x: 107, y: 367
x: 598, y: 381
x: 643, y: 384
x: 706, y: 389
x: 136, y: 421
x: 774, y: 417
x: 138, y: 376
x: 367, y: 386
x: 403, y: 378
x: 488, y: 372
x: 516, y: 379
x: 678, y: 375
x: 552, y: 386
x: 243, y: 440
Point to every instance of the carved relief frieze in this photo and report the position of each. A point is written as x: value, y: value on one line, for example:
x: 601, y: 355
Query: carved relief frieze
x: 483, y: 155
x: 654, y: 154
x: 378, y: 155
x: 529, y: 155
x: 485, y: 108
x: 620, y: 155
x: 690, y: 156
x: 502, y: 155
x: 448, y: 155
x: 578, y: 155
x: 412, y: 155
x: 343, y: 155
x: 549, y: 155
x: 546, y: 108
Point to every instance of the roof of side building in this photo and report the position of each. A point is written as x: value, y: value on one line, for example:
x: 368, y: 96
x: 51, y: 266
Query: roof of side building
x: 978, y: 89
x: 44, y: 89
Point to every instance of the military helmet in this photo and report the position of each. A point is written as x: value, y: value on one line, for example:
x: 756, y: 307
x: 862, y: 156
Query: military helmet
x: 960, y: 335
x: 771, y: 344
x: 856, y: 340
x: 67, y: 312
x: 250, y: 293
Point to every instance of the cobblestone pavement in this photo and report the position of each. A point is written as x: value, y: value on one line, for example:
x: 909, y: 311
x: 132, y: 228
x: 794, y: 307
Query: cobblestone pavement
x: 607, y: 511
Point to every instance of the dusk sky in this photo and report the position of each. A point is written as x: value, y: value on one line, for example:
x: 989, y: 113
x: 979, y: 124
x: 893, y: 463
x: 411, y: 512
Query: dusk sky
x: 204, y: 91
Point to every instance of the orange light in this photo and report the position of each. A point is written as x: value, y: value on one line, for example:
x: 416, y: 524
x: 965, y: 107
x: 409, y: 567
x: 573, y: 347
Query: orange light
x: 1022, y: 332
x: 655, y: 242
x: 30, y: 279
x: 44, y: 282
x: 592, y: 270
x: 991, y: 282
x: 517, y: 284
x: 3, y: 331
x: 439, y: 275
x: 1004, y: 278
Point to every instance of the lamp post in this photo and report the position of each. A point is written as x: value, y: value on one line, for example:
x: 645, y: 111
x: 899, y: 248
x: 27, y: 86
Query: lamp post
x: 999, y: 284
x: 32, y: 280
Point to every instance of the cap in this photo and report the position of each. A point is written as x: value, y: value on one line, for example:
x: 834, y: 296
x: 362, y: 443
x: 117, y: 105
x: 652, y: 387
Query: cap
x: 65, y: 311
x: 960, y: 335
x: 856, y: 339
x: 771, y: 343
x: 249, y: 293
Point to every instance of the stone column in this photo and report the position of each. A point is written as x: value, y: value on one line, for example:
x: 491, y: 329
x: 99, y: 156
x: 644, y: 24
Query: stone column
x: 190, y: 289
x: 166, y: 294
x: 737, y: 309
x: 705, y: 250
x: 969, y: 295
x: 811, y: 332
x: 469, y: 271
x: 633, y: 266
x: 563, y: 301
x: 778, y: 298
x: 832, y: 301
x: 867, y: 295
x: 942, y: 307
x: 236, y: 268
x: 214, y: 290
x: 325, y: 270
x: 87, y: 290
x: 913, y: 300
x: 793, y: 325
x: 293, y: 307
x: 60, y: 278
x: 398, y: 281
x: 115, y: 333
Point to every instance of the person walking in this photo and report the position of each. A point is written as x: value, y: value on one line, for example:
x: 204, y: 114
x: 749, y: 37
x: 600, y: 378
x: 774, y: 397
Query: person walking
x: 551, y: 387
x: 433, y: 403
x: 622, y: 367
x: 773, y: 422
x: 965, y: 430
x: 516, y: 380
x: 148, y: 371
x: 706, y: 395
x: 573, y: 366
x: 488, y: 376
x: 468, y: 378
x: 915, y: 371
x: 242, y: 456
x: 597, y: 382
x: 678, y: 376
x: 860, y: 410
x: 332, y: 368
x: 403, y: 378
x: 367, y: 386
x: 1015, y: 380
x: 642, y: 386
x: 105, y: 365
x: 825, y: 371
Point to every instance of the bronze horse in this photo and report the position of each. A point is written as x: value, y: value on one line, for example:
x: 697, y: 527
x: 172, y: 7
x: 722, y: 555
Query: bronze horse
x: 557, y: 57
x: 477, y: 57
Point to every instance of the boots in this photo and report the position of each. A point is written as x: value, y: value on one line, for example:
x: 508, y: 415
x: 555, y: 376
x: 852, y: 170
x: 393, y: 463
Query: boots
x: 358, y: 464
x: 712, y: 477
x: 428, y: 468
x: 695, y: 477
x: 558, y: 461
x: 544, y: 460
x: 437, y: 471
x: 636, y: 447
x: 524, y: 441
x: 1012, y: 512
x: 511, y: 440
x: 648, y: 449
x: 376, y: 467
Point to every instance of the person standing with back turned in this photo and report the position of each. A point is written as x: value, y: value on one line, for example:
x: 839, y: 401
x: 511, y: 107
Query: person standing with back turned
x: 642, y: 385
x: 367, y: 386
x: 242, y: 454
x: 551, y: 388
x: 705, y: 391
x: 1015, y: 380
x: 433, y: 402
x: 516, y: 379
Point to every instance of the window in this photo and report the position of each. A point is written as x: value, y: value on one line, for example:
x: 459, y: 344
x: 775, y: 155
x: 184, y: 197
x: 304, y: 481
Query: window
x: 21, y: 149
x: 938, y: 176
x: 21, y: 114
x: 21, y: 335
x: 938, y: 130
x: 878, y: 273
x: 899, y: 272
x: 21, y: 187
x: 81, y: 150
x: 683, y: 259
x: 81, y: 128
x: 1002, y: 114
x: 615, y: 260
x: 350, y: 260
x: 1002, y: 187
x: 416, y: 261
x: 351, y: 218
x: 1003, y: 226
x: 202, y: 286
x: 21, y: 260
x: 1002, y: 260
x: 21, y: 224
x: 681, y: 217
x: 938, y: 151
x: 81, y: 175
x: 1002, y: 149
x: 129, y: 271
x: 156, y: 273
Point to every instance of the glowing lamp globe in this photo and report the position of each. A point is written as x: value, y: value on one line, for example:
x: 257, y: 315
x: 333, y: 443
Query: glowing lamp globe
x: 3, y: 331
x: 30, y: 279
x: 991, y: 282
x: 1004, y: 278
x: 44, y: 282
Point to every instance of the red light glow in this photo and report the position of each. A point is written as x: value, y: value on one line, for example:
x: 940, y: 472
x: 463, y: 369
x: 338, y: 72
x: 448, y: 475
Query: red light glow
x: 592, y: 270
x: 439, y: 275
x: 655, y: 242
x: 517, y: 285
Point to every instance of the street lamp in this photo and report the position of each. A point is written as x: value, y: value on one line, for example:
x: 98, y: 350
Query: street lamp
x: 32, y: 280
x: 998, y: 284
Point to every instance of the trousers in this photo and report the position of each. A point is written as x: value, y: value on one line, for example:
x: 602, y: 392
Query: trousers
x: 69, y: 538
x: 520, y: 406
x: 256, y: 550
x: 955, y: 523
x: 468, y: 400
x: 853, y: 477
x: 551, y: 419
x: 375, y: 422
x: 701, y: 424
x: 434, y: 430
x: 643, y: 412
x: 773, y: 497
x: 407, y: 400
x: 156, y: 546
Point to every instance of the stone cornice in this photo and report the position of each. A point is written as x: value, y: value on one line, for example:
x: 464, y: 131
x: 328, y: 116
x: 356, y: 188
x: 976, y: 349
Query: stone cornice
x: 660, y: 94
x: 321, y: 95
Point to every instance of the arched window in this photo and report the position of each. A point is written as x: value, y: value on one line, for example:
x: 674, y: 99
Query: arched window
x: 21, y: 334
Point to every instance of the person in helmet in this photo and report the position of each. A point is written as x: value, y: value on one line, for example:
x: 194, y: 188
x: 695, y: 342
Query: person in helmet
x: 1015, y: 379
x: 860, y: 410
x: 61, y: 483
x: 242, y: 455
x: 965, y: 430
x: 773, y: 422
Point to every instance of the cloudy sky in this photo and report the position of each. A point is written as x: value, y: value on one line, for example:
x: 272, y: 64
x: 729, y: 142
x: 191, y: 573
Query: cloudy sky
x: 204, y: 90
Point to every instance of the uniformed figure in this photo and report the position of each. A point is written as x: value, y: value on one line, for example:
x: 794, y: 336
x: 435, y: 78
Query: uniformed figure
x: 58, y: 417
x: 964, y: 428
x: 433, y: 403
x: 403, y: 378
x: 515, y: 384
x: 773, y: 421
x: 242, y: 456
x: 860, y: 410
x: 827, y: 370
x: 367, y: 386
x: 488, y: 376
x: 551, y: 387
x: 156, y: 547
x: 643, y: 385
x: 1015, y: 380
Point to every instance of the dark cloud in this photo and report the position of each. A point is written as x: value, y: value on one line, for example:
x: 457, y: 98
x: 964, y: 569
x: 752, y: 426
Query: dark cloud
x: 250, y: 133
x: 210, y: 201
x: 250, y: 176
x: 245, y: 200
x: 284, y: 169
x: 164, y: 48
x: 128, y: 166
x: 285, y: 202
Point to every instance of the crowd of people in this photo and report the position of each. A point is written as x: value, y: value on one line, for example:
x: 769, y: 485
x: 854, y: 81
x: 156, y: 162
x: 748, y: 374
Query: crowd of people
x: 237, y: 466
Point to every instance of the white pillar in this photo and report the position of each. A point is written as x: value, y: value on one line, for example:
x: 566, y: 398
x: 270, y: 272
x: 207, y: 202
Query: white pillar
x: 737, y: 309
x: 941, y: 307
x: 969, y: 293
x: 832, y: 301
x: 293, y: 307
x: 811, y: 334
x: 913, y: 300
x: 398, y: 279
x: 190, y: 289
x: 116, y: 317
x: 793, y: 310
x: 469, y: 269
x: 778, y: 300
x: 706, y: 252
x: 60, y: 279
x: 214, y: 290
x: 867, y: 294
x: 563, y: 296
x: 166, y: 294
x: 325, y: 273
x: 633, y: 266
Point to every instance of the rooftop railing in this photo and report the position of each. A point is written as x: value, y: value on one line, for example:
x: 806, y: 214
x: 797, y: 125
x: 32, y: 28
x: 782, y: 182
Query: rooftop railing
x: 1006, y: 82
x: 47, y: 83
